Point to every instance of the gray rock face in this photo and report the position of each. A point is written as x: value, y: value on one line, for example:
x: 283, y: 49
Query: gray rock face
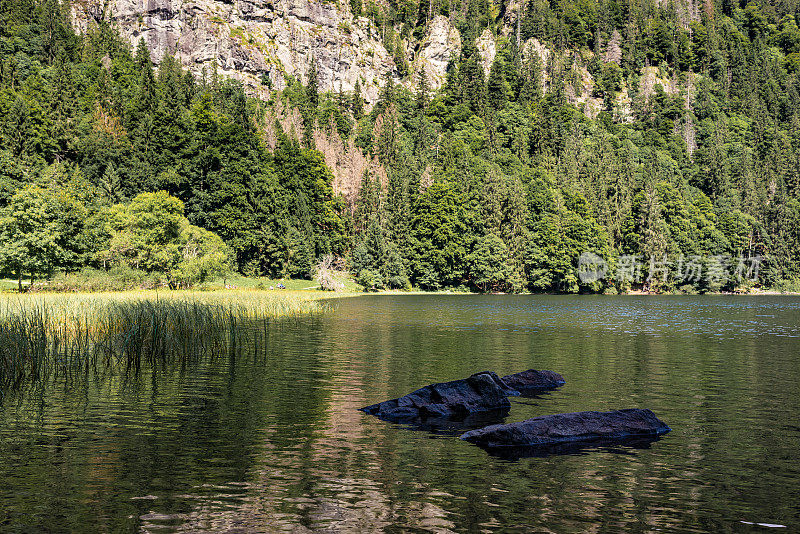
x: 481, y: 392
x: 532, y: 380
x: 264, y: 42
x: 562, y: 428
x: 251, y: 40
x: 441, y: 43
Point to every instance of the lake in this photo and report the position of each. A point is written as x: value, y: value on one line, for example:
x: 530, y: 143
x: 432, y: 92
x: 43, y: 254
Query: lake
x: 273, y: 441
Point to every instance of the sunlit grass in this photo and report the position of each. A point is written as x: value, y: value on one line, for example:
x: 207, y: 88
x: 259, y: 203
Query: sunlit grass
x: 246, y: 282
x: 65, y: 334
x: 270, y: 303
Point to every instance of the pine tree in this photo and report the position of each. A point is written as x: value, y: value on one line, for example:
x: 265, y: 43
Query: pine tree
x: 423, y: 13
x: 54, y: 29
x: 422, y: 91
x: 312, y: 86
x: 387, y: 95
x: 368, y: 201
x: 143, y: 55
x: 357, y: 102
x: 497, y: 86
x: 473, y: 84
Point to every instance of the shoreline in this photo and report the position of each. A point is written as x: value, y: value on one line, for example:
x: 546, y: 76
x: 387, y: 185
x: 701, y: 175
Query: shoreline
x: 625, y: 294
x: 319, y: 294
x: 309, y: 290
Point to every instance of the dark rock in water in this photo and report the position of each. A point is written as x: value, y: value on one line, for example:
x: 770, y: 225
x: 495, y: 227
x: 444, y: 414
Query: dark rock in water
x: 533, y: 380
x: 480, y: 392
x: 552, y: 430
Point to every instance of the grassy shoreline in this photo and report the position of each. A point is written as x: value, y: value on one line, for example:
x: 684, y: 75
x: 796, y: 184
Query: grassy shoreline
x: 240, y: 285
x: 72, y: 334
x: 256, y: 302
x: 69, y: 334
x: 299, y: 298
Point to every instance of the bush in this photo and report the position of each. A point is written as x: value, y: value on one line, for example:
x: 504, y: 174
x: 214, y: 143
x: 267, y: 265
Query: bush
x: 787, y: 286
x: 119, y: 278
x: 610, y: 290
x: 328, y: 283
x: 151, y: 233
x: 398, y: 282
x: 369, y: 279
x: 687, y: 289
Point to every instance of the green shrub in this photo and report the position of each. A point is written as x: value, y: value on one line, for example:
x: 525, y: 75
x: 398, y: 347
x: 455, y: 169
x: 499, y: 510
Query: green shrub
x: 787, y: 286
x: 118, y: 278
x: 369, y: 279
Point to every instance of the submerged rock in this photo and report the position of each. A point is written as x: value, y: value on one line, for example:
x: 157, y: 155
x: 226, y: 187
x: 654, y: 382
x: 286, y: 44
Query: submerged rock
x: 533, y: 380
x: 480, y: 392
x: 550, y: 430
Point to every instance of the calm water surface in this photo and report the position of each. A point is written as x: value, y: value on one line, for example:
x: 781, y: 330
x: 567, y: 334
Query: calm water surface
x: 274, y: 442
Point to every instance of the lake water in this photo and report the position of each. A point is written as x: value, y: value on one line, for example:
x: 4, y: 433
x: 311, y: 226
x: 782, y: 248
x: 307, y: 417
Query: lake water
x: 274, y: 442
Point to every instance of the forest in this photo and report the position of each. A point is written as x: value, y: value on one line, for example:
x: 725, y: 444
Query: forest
x: 494, y: 182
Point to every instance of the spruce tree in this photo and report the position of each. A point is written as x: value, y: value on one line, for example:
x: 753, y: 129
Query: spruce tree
x: 497, y: 86
x: 357, y: 102
x: 312, y: 86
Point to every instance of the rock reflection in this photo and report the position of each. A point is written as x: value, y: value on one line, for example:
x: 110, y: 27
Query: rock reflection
x: 450, y: 426
x: 619, y: 446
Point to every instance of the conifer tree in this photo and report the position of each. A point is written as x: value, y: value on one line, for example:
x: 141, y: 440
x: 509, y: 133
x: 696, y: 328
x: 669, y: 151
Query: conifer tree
x: 357, y: 102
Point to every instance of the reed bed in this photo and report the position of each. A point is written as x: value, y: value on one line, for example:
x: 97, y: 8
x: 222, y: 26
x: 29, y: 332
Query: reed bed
x: 68, y: 335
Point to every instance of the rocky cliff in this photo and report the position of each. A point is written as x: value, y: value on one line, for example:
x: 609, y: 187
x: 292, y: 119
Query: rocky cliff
x: 262, y: 42
x: 266, y: 43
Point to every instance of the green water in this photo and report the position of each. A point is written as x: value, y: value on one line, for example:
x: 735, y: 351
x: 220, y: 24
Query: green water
x: 274, y: 442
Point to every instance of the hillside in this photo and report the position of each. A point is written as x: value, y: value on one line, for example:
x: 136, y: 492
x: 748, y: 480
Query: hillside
x: 266, y: 44
x: 475, y: 145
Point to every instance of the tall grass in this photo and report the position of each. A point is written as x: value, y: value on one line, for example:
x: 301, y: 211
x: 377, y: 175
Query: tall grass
x: 67, y: 335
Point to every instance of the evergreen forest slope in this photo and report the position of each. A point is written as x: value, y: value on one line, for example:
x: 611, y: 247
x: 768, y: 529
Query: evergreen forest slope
x: 666, y: 132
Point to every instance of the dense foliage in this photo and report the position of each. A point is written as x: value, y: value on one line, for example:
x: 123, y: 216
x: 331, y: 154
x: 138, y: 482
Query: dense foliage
x: 495, y: 182
x: 87, y: 124
x: 701, y: 168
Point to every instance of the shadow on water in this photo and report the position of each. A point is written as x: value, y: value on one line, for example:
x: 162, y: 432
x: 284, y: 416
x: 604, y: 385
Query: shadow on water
x: 534, y: 394
x: 616, y: 446
x: 450, y: 426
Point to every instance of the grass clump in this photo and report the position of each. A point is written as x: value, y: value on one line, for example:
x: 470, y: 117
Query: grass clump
x: 66, y: 335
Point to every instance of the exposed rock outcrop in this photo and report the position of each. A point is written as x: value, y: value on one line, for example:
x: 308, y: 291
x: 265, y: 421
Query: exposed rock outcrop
x: 442, y: 43
x: 562, y: 428
x: 488, y: 50
x: 263, y: 41
x: 652, y: 76
x: 481, y: 392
